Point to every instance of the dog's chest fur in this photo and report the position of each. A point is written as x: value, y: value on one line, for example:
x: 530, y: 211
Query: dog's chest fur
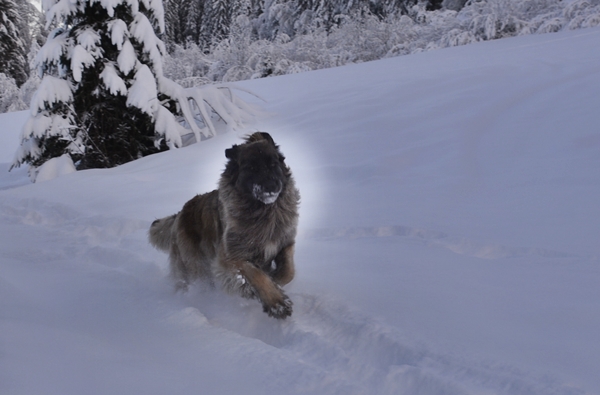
x: 261, y: 236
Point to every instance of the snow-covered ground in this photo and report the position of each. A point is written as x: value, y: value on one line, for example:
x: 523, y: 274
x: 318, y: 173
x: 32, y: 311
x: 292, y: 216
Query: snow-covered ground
x: 449, y: 241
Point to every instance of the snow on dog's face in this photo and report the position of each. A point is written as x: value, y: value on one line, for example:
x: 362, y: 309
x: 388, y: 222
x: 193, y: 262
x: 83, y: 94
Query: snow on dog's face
x: 261, y: 171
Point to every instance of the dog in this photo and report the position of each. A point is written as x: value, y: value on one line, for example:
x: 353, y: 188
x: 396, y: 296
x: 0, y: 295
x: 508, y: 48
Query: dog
x: 241, y: 235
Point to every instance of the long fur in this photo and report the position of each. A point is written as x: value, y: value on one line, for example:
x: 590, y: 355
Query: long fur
x: 230, y: 236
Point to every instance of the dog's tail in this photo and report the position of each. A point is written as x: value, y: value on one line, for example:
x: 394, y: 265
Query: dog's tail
x: 161, y: 233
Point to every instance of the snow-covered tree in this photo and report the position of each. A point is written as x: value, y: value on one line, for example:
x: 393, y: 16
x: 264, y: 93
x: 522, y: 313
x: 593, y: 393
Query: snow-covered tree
x: 10, y: 95
x: 12, y: 47
x: 183, y: 20
x: 176, y: 13
x: 103, y: 99
x: 31, y: 30
x: 219, y: 19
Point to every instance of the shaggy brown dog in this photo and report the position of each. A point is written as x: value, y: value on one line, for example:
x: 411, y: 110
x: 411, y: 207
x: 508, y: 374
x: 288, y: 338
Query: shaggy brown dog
x: 242, y: 234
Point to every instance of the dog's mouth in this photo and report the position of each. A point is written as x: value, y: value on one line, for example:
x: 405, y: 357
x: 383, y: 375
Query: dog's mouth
x: 264, y: 196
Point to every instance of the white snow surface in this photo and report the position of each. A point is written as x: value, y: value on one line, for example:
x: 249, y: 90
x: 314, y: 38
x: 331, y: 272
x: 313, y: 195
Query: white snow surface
x: 449, y: 241
x: 55, y: 167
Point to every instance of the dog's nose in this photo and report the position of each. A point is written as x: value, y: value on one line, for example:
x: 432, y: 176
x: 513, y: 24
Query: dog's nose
x: 272, y: 186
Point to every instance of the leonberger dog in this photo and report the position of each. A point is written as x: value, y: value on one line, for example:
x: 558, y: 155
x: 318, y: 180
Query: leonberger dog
x: 242, y: 234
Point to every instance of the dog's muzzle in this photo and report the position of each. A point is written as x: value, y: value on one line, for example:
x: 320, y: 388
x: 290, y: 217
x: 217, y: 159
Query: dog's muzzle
x: 264, y: 196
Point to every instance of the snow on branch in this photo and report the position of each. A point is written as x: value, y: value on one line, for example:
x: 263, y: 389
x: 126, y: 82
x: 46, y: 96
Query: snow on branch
x: 80, y: 59
x: 223, y: 101
x: 198, y: 105
x: 142, y: 93
x: 51, y: 51
x: 112, y: 81
x: 118, y: 32
x: 88, y: 39
x: 59, y: 10
x: 51, y: 90
x: 126, y: 59
x: 158, y: 12
x: 141, y: 29
x: 108, y: 5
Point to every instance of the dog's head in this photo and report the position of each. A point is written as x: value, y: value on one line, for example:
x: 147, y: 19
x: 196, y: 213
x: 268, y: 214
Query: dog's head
x: 257, y: 168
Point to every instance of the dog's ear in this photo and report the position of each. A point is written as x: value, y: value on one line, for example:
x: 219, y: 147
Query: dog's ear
x: 260, y: 136
x: 267, y: 136
x: 232, y: 153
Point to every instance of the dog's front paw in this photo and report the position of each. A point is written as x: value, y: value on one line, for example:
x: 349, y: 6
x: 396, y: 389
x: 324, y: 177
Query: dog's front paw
x: 280, y: 309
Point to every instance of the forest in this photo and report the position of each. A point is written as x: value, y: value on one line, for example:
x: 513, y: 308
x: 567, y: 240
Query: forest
x: 231, y: 40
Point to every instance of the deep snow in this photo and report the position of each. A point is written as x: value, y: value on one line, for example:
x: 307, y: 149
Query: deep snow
x: 449, y: 241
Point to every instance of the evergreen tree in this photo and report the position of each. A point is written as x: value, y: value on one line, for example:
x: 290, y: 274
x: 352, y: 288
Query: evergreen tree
x: 103, y: 99
x: 13, y: 60
x: 176, y: 12
x: 218, y: 21
x: 194, y: 22
x: 183, y: 19
x: 31, y: 28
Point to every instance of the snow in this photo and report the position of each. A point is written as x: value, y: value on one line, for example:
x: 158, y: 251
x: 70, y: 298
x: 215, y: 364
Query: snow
x: 168, y: 126
x: 110, y: 5
x: 158, y: 13
x: 88, y: 39
x: 53, y: 48
x: 141, y: 29
x: 55, y: 167
x: 127, y: 58
x: 448, y: 241
x: 58, y: 10
x: 112, y: 81
x: 50, y: 91
x: 10, y: 133
x: 142, y: 93
x: 80, y: 59
x: 118, y: 32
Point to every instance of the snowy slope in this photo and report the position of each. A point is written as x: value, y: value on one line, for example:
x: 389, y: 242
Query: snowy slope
x: 449, y: 242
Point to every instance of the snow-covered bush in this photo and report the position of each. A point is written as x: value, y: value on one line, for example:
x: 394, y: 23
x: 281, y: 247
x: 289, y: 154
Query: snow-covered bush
x: 582, y: 14
x: 187, y: 65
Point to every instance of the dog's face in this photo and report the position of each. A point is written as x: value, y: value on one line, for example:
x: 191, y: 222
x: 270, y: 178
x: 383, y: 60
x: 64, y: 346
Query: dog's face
x: 261, y: 171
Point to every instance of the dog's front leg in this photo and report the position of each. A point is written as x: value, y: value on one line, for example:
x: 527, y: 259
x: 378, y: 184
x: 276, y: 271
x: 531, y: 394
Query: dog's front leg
x: 284, y: 266
x: 242, y: 277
